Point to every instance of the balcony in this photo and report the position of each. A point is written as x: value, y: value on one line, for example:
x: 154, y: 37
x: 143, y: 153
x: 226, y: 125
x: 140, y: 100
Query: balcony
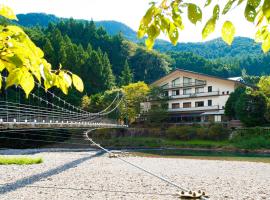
x: 194, y: 95
x: 184, y: 85
x: 194, y: 109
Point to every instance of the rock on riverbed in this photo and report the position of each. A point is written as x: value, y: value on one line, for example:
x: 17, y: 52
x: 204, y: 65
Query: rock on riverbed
x: 90, y: 175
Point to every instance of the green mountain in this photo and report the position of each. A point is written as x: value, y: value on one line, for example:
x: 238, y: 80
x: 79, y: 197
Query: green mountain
x: 213, y: 57
x: 214, y: 49
x: 42, y: 19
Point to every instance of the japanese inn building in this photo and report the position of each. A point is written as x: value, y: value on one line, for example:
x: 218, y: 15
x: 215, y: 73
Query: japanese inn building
x: 194, y: 97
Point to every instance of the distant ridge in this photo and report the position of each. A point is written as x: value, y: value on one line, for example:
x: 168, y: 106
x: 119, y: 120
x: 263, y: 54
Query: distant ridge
x: 214, y: 49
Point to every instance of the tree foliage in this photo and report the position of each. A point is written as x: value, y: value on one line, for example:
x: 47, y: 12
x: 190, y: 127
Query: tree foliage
x: 126, y: 75
x: 230, y: 106
x: 251, y: 108
x: 167, y: 16
x: 24, y: 61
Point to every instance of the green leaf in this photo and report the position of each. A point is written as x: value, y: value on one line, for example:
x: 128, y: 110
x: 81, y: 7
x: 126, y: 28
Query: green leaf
x: 194, y: 13
x: 228, y: 6
x: 148, y: 16
x: 7, y: 12
x: 27, y: 82
x: 141, y: 31
x: 207, y: 3
x: 149, y: 42
x: 209, y: 28
x: 266, y: 45
x: 261, y: 34
x: 153, y: 32
x: 240, y: 1
x: 77, y: 82
x: 173, y: 34
x: 216, y: 12
x: 228, y: 32
x: 266, y: 9
x: 14, y: 77
x: 250, y: 13
x: 2, y: 66
x: 178, y: 21
x: 254, y: 3
x: 68, y: 79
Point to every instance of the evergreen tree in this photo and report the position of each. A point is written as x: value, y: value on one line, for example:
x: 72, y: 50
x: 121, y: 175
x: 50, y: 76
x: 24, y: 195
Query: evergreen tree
x: 108, y: 77
x: 126, y: 75
x: 49, y: 52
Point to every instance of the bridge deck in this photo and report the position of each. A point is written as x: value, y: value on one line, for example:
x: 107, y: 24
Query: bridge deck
x: 39, y: 125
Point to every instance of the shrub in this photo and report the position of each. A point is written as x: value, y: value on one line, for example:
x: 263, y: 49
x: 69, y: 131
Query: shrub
x: 252, y: 138
x: 201, y: 133
x: 217, y: 132
x: 181, y: 132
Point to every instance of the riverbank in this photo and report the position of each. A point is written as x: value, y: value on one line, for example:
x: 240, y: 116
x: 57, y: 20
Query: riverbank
x: 87, y: 175
x: 209, y: 146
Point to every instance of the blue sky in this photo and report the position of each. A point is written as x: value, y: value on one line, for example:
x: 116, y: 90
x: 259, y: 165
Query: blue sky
x: 126, y: 11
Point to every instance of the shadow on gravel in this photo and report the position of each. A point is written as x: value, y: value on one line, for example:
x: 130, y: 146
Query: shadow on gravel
x: 6, y: 188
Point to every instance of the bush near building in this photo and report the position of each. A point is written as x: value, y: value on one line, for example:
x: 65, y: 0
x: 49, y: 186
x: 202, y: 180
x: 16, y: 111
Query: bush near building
x: 252, y: 138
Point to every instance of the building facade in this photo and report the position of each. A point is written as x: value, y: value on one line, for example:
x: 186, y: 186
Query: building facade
x: 195, y: 97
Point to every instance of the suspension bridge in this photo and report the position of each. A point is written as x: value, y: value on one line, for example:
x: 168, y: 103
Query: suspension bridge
x: 50, y: 111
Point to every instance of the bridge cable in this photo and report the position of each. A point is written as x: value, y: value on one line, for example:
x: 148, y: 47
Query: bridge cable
x: 137, y: 166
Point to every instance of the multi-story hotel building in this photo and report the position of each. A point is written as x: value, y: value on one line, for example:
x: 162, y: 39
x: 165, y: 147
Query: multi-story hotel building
x: 195, y: 97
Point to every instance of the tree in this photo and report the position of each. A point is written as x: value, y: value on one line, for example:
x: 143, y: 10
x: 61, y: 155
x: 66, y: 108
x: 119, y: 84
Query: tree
x: 86, y: 101
x: 135, y: 93
x: 108, y: 77
x: 158, y: 113
x: 126, y: 75
x: 166, y: 16
x: 264, y: 85
x: 25, y: 62
x: 230, y: 106
x: 251, y: 108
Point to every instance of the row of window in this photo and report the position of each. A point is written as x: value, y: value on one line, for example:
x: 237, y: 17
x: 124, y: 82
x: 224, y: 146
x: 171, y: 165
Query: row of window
x: 187, y: 91
x: 188, y: 104
x: 186, y: 82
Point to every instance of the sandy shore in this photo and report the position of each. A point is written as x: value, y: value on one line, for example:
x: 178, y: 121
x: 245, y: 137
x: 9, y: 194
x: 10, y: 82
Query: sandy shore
x: 92, y: 175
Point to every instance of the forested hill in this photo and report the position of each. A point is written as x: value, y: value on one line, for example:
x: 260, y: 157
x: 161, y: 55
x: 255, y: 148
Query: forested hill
x: 212, y: 57
x: 42, y: 19
x: 217, y: 48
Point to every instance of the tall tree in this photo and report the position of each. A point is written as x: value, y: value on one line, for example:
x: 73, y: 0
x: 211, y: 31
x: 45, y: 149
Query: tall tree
x: 126, y: 75
x: 108, y: 77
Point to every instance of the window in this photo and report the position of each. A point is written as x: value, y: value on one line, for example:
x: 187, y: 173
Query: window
x: 209, y: 88
x: 175, y: 92
x: 209, y: 102
x: 175, y: 105
x: 176, y: 82
x: 187, y: 105
x: 187, y: 81
x: 199, y: 104
x: 199, y: 82
x: 187, y: 91
x: 199, y: 90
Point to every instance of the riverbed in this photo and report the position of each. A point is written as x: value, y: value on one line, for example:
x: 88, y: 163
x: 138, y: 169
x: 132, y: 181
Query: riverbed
x: 82, y: 174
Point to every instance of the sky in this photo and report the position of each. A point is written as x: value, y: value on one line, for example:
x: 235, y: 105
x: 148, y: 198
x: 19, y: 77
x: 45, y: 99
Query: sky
x: 129, y: 12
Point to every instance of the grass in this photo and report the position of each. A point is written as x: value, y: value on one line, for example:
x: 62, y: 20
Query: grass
x: 11, y: 160
x: 152, y: 142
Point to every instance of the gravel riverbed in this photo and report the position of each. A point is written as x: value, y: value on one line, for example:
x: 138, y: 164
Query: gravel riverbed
x: 85, y: 174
